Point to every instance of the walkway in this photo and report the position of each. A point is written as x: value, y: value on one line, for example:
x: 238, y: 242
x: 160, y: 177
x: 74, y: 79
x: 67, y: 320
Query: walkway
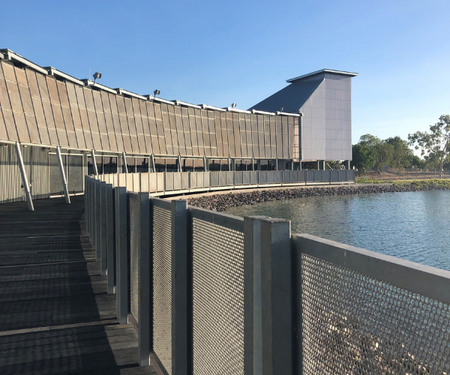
x: 55, y: 315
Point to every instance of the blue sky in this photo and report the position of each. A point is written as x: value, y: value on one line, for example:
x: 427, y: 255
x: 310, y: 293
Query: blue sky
x: 243, y: 51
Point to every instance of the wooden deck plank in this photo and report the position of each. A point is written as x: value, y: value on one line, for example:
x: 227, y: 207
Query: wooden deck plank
x: 55, y: 315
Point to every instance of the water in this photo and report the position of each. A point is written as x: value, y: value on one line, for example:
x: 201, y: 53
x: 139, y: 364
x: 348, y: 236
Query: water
x: 413, y: 225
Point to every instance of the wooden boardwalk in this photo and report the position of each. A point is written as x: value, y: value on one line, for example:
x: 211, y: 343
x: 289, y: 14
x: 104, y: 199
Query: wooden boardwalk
x: 55, y: 314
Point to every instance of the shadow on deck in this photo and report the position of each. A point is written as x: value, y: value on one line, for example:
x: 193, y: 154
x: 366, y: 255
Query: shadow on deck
x: 55, y: 314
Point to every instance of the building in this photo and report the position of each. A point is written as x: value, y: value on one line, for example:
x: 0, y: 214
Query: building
x: 324, y: 98
x: 44, y: 111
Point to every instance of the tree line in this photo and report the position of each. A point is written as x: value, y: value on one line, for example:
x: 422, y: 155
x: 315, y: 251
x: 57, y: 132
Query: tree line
x: 373, y: 153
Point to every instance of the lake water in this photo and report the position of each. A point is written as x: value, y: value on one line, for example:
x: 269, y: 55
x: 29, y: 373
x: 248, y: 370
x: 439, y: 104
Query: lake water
x: 413, y: 225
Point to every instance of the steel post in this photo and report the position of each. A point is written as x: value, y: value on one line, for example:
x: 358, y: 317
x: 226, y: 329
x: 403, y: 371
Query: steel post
x: 94, y: 162
x: 276, y: 297
x: 23, y: 172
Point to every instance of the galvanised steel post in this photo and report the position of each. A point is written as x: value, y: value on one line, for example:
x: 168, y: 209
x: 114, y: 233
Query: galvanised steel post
x: 23, y: 172
x: 180, y: 305
x: 94, y: 162
x: 103, y: 220
x: 63, y: 175
x: 110, y: 230
x: 122, y: 261
x: 252, y: 296
x: 98, y: 206
x: 276, y: 297
x: 145, y: 265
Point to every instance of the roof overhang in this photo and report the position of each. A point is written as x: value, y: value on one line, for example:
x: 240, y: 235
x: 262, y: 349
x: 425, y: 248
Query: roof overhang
x: 341, y: 72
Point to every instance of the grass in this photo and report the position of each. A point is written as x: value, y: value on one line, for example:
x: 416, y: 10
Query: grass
x: 418, y: 184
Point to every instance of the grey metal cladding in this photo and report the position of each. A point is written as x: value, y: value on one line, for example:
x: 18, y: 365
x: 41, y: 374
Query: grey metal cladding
x: 326, y: 121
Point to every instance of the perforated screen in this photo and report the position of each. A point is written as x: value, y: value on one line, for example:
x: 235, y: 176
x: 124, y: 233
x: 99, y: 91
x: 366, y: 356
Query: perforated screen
x: 218, y: 299
x: 355, y: 324
x: 162, y: 286
x: 133, y: 205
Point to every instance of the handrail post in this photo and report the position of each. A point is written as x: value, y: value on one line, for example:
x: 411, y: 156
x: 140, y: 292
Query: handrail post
x: 145, y: 274
x: 276, y: 296
x: 122, y: 261
x: 180, y: 259
x: 110, y: 256
x: 23, y: 172
x: 252, y: 296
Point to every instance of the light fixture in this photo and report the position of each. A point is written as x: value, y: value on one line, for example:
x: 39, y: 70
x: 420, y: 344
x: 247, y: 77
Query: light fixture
x: 156, y: 92
x: 282, y: 109
x: 97, y: 75
x: 233, y: 105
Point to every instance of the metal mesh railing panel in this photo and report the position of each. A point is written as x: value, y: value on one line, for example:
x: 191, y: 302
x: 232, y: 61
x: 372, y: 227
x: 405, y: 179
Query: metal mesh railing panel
x: 218, y: 299
x: 134, y: 254
x: 355, y: 324
x: 162, y: 286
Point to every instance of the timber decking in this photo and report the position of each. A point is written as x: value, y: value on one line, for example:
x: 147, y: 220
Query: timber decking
x: 55, y: 315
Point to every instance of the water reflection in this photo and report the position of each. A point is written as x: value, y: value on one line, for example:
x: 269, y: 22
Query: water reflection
x: 413, y: 225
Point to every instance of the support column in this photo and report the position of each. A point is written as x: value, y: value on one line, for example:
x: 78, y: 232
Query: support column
x: 94, y: 162
x: 125, y: 166
x: 347, y: 164
x: 63, y: 175
x: 179, y: 163
x: 23, y: 172
x: 152, y: 158
x: 205, y: 165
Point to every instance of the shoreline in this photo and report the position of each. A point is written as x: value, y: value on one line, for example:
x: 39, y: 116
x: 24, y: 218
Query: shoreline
x: 222, y: 201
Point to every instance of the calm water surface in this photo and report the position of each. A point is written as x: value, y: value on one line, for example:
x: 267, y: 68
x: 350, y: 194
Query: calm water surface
x: 413, y: 226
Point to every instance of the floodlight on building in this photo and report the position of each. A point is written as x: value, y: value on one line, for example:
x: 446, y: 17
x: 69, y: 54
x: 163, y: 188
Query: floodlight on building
x: 97, y: 75
x: 156, y: 92
x: 233, y: 105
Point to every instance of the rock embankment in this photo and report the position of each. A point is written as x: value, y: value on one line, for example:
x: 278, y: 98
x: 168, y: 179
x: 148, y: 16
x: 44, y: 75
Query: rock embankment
x: 221, y: 202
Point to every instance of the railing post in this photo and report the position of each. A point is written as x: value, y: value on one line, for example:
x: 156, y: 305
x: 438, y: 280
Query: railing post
x: 122, y: 261
x: 276, y: 297
x: 180, y: 360
x: 252, y: 296
x: 111, y: 255
x: 145, y: 275
x: 97, y: 242
x: 103, y: 234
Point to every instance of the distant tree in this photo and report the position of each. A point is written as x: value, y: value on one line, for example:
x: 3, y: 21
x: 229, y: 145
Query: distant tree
x: 402, y: 155
x: 434, y: 145
x: 418, y: 162
x: 378, y: 152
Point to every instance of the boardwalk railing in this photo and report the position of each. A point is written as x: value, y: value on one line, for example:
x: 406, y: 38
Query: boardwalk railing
x: 170, y: 183
x: 210, y: 293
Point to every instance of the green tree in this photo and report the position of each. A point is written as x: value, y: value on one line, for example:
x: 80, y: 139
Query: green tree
x: 378, y: 153
x: 402, y: 155
x: 434, y: 145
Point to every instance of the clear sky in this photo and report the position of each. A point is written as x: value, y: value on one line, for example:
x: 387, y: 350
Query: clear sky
x: 217, y: 53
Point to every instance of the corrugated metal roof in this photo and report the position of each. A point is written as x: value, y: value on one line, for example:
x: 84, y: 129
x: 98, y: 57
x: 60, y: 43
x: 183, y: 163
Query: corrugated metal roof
x: 291, y: 98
